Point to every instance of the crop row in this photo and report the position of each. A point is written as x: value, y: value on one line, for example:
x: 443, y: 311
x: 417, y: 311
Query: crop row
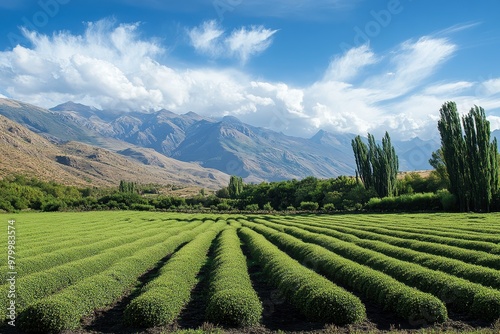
x: 431, y: 229
x: 232, y: 301
x: 488, y: 247
x: 313, y: 295
x: 39, y: 285
x: 64, y: 310
x: 460, y: 294
x: 378, y: 287
x: 82, y: 237
x: 457, y: 223
x: 474, y: 273
x: 162, y: 299
x: 42, y: 227
x: 45, y: 261
x: 466, y: 255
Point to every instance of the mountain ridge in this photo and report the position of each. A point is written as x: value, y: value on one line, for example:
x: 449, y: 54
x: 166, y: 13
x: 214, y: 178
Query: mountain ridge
x: 226, y: 144
x: 76, y: 163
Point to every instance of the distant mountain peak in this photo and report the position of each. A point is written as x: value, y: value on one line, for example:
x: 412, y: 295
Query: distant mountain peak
x: 191, y: 114
x: 231, y: 120
x: 72, y: 106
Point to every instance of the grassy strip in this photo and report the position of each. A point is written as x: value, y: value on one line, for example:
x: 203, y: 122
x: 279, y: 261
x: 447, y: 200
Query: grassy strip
x: 478, y: 274
x: 460, y: 294
x: 316, y: 297
x: 392, y: 295
x: 64, y: 310
x: 232, y: 300
x: 162, y: 299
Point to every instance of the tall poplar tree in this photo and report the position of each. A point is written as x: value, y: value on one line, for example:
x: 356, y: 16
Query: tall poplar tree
x: 377, y: 165
x: 470, y: 157
x: 363, y: 164
x: 235, y: 186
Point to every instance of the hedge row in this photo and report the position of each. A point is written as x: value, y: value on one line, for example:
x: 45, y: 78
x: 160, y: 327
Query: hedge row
x: 460, y: 294
x: 39, y: 285
x: 449, y: 233
x: 469, y: 256
x: 483, y: 246
x: 380, y: 288
x: 81, y: 237
x: 64, y: 310
x: 316, y: 297
x: 232, y: 300
x: 45, y: 261
x: 162, y: 299
x: 474, y: 273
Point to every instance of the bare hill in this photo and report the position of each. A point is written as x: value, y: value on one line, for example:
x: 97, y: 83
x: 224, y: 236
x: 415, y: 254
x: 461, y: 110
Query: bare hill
x: 25, y: 152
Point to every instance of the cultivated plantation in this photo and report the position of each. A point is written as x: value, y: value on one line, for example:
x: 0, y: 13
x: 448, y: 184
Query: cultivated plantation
x: 171, y: 270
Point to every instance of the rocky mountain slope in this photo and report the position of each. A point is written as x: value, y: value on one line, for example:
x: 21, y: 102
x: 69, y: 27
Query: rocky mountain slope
x: 226, y: 144
x: 75, y: 163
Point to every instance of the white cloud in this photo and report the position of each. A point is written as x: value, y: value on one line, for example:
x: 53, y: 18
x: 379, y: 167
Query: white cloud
x: 347, y: 66
x: 205, y: 38
x: 494, y: 122
x: 248, y: 42
x: 210, y: 39
x: 491, y: 87
x: 448, y: 88
x: 111, y: 66
x: 411, y: 64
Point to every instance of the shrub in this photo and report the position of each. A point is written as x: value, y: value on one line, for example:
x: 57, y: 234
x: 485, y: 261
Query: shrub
x: 309, y: 206
x: 252, y: 207
x: 414, y: 202
x: 224, y: 206
x: 267, y: 207
x: 232, y: 299
x: 448, y: 200
x: 329, y: 207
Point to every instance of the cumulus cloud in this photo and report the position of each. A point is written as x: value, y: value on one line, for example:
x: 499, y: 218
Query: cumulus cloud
x: 112, y: 66
x: 210, y: 39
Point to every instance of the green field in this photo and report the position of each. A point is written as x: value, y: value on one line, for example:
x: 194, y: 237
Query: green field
x: 129, y: 271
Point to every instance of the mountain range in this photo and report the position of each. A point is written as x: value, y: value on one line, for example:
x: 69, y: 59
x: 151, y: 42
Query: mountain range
x: 51, y: 158
x: 158, y: 139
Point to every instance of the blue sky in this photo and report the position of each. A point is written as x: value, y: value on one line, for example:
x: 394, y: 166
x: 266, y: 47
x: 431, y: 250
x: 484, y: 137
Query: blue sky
x: 294, y: 66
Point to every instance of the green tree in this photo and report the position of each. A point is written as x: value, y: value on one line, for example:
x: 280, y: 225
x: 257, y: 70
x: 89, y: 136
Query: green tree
x: 470, y: 157
x: 235, y: 187
x: 128, y: 187
x: 363, y: 161
x: 440, y: 173
x: 377, y: 166
x: 453, y: 147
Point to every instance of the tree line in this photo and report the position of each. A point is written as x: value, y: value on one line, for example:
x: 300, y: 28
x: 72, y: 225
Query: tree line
x: 465, y: 178
x: 467, y: 161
